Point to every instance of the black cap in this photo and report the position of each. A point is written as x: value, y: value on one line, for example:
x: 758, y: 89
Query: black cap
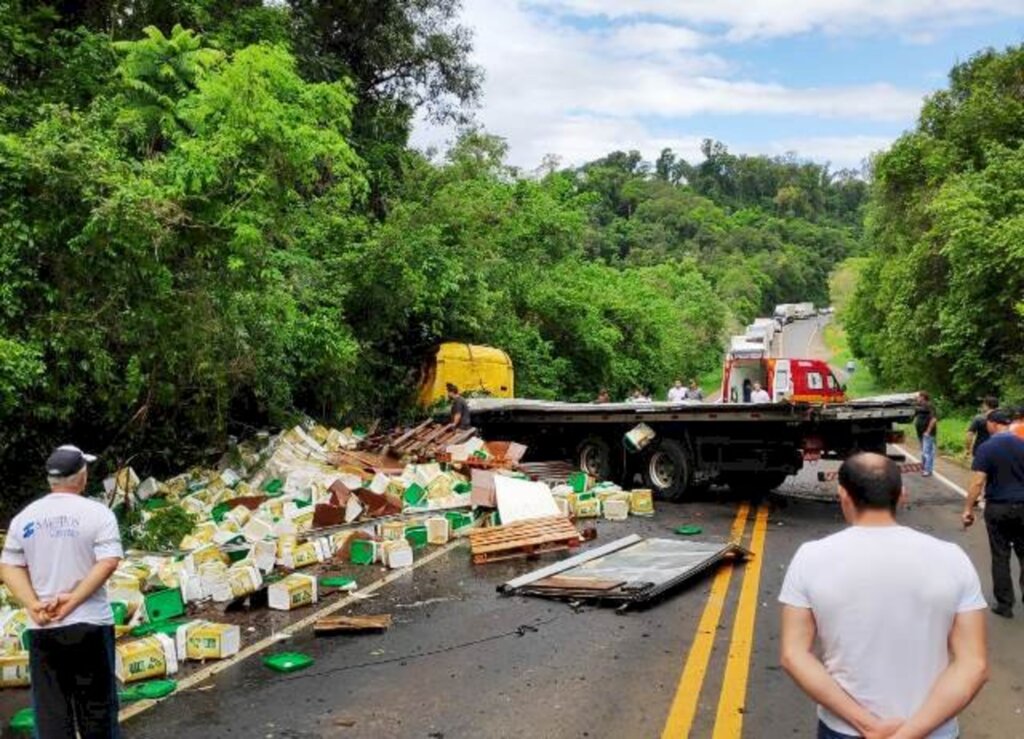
x: 1000, y: 416
x: 66, y: 460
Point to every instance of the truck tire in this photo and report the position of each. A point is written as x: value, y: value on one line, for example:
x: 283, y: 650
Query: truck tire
x: 755, y: 482
x: 594, y: 456
x: 667, y: 469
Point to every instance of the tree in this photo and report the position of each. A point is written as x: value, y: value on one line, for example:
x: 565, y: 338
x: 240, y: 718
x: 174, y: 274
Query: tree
x: 936, y: 305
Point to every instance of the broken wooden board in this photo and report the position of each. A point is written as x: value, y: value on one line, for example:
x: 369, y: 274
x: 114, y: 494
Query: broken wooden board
x: 523, y: 539
x: 352, y: 624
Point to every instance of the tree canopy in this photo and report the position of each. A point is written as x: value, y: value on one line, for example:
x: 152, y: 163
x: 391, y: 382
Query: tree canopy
x: 940, y: 303
x: 211, y: 221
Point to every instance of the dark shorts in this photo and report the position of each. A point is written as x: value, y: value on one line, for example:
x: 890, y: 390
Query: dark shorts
x: 73, y: 683
x: 824, y: 732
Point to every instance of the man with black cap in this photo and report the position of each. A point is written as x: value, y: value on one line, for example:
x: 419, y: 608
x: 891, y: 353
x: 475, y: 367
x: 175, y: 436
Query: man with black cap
x: 999, y: 473
x: 59, y: 552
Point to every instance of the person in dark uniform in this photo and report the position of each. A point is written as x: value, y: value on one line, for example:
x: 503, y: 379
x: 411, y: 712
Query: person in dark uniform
x: 999, y: 472
x: 977, y: 432
x: 460, y: 417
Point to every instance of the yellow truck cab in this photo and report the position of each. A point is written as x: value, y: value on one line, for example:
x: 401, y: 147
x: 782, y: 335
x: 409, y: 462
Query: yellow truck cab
x: 474, y: 369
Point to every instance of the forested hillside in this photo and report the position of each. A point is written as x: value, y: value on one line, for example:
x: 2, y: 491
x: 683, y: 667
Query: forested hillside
x: 940, y: 302
x: 210, y: 220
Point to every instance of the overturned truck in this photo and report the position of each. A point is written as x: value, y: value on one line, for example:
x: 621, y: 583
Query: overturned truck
x: 695, y: 445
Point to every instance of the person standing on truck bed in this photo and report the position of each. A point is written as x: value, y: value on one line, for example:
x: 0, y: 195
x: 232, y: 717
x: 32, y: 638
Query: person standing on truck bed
x: 926, y: 423
x: 977, y: 432
x: 899, y: 616
x: 999, y: 473
x: 759, y: 394
x: 460, y: 417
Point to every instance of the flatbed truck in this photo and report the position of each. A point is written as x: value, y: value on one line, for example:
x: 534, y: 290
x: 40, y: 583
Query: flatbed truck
x: 749, y: 447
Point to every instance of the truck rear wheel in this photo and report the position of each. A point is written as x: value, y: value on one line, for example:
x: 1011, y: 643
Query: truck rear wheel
x: 595, y: 457
x: 667, y: 469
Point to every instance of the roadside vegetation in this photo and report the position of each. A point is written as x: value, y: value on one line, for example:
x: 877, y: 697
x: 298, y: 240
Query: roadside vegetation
x: 936, y: 302
x: 211, y: 221
x: 940, y: 299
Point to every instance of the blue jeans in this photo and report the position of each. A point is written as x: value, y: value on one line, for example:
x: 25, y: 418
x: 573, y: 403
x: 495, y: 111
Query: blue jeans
x: 928, y: 453
x: 826, y: 733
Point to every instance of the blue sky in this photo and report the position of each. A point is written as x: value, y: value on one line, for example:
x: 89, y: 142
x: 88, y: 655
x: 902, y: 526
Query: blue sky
x: 832, y: 80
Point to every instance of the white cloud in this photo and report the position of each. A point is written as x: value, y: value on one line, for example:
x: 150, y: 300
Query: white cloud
x: 554, y: 88
x: 746, y: 19
x: 841, y: 151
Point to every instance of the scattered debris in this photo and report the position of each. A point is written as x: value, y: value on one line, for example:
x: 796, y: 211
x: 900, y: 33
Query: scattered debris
x: 288, y: 661
x: 523, y: 539
x: 340, y: 624
x: 630, y: 571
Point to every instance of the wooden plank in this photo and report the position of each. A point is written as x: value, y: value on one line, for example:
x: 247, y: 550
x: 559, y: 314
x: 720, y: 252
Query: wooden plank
x: 500, y: 547
x: 339, y: 624
x: 521, y: 553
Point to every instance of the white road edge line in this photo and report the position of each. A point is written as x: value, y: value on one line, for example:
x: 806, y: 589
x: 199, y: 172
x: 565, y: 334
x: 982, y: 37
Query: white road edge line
x: 937, y: 475
x: 207, y: 672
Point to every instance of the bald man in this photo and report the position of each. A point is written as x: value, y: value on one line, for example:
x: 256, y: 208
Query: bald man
x: 899, y: 617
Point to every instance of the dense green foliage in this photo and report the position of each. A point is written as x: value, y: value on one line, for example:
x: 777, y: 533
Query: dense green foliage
x: 210, y: 220
x: 940, y: 303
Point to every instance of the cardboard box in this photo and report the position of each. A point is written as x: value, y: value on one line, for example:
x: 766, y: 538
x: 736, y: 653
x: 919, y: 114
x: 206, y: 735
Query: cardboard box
x: 14, y: 671
x: 294, y: 591
x: 146, y: 658
x: 202, y: 640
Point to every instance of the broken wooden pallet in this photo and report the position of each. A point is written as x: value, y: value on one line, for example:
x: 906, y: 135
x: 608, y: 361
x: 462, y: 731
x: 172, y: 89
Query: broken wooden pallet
x: 347, y: 624
x: 523, y: 539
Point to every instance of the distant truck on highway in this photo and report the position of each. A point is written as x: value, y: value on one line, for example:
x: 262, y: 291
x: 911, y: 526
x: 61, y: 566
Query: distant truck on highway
x: 785, y: 313
x: 804, y: 310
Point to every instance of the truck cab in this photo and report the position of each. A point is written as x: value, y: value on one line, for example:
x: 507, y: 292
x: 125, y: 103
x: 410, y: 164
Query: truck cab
x: 789, y: 380
x: 475, y: 370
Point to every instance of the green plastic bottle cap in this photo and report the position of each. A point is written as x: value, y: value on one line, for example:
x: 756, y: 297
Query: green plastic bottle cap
x: 689, y: 530
x: 288, y: 661
x: 24, y: 720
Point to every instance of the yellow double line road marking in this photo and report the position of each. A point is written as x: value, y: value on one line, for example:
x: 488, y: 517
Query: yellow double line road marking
x: 729, y: 720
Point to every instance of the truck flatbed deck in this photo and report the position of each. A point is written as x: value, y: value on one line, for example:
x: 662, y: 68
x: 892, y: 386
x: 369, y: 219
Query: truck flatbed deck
x: 696, y: 443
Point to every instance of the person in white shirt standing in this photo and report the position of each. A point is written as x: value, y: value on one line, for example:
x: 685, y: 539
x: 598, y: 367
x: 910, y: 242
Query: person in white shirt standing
x: 59, y: 552
x: 677, y: 392
x: 759, y: 394
x: 899, y: 615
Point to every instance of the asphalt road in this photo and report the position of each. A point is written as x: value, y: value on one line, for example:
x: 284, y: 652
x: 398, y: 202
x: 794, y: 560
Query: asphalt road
x: 463, y: 661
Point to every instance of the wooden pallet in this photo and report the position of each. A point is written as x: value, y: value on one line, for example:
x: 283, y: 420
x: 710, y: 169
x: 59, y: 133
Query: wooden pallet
x: 523, y: 539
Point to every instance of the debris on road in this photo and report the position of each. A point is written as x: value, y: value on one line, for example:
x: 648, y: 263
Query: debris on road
x: 351, y: 624
x: 630, y: 571
x: 523, y: 539
x: 288, y: 661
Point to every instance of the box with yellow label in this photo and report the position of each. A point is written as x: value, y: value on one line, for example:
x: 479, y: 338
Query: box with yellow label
x: 14, y: 670
x: 142, y: 659
x: 641, y: 503
x: 200, y: 640
x: 294, y: 591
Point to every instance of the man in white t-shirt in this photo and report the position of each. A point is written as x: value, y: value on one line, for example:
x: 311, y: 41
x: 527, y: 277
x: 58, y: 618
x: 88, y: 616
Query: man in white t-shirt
x: 677, y: 392
x: 59, y: 552
x: 899, y: 615
x: 759, y: 394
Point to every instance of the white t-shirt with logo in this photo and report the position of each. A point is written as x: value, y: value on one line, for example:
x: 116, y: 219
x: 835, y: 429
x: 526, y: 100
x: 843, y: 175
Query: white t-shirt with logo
x: 59, y: 538
x: 884, y: 599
